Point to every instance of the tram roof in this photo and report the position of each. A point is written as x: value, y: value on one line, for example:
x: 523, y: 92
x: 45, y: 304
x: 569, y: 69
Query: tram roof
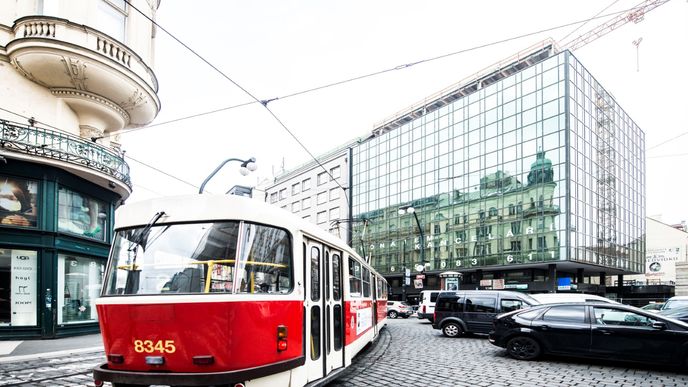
x: 209, y: 207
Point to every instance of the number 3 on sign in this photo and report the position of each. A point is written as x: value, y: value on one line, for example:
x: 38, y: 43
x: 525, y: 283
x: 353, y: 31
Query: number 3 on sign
x: 149, y: 346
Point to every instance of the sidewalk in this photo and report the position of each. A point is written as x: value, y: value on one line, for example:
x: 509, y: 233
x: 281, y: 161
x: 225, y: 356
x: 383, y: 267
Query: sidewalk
x: 32, y: 349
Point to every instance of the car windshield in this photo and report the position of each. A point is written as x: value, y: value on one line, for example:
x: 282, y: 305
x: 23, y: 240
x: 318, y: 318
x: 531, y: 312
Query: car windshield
x: 673, y: 304
x: 221, y: 257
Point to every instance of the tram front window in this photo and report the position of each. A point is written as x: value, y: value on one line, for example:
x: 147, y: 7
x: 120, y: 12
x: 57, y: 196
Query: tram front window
x: 221, y: 257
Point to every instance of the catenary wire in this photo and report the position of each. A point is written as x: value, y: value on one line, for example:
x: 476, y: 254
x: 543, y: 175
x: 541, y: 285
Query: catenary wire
x: 666, y: 141
x: 161, y: 171
x: 373, y: 74
x: 264, y: 102
x: 586, y: 22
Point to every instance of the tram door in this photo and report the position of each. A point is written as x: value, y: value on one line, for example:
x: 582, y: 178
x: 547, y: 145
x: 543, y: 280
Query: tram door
x: 324, y: 310
x: 334, y: 310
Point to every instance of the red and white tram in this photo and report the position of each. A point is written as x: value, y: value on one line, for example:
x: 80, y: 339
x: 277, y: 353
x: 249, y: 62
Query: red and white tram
x: 211, y: 290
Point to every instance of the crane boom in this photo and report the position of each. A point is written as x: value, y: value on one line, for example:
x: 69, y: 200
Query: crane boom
x: 635, y: 15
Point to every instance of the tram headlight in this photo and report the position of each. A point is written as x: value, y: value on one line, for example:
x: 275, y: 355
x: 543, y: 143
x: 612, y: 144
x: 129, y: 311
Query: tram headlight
x: 281, y: 338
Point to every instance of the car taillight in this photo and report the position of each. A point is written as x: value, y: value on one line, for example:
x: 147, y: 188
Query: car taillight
x: 424, y: 309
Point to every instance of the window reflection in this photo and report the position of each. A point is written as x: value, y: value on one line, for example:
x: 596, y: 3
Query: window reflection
x: 81, y: 214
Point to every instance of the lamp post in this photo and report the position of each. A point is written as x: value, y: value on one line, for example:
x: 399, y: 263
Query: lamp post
x: 247, y: 166
x: 410, y: 210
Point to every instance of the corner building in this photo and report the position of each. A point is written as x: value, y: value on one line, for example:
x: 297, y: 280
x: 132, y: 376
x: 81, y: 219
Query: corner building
x: 74, y: 74
x: 529, y: 176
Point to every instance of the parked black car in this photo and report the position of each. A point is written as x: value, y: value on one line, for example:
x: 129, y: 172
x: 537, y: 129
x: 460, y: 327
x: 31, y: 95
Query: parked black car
x: 472, y: 311
x: 595, y: 330
x: 680, y: 313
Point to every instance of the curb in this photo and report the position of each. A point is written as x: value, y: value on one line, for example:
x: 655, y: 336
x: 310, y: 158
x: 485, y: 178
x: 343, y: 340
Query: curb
x: 9, y: 359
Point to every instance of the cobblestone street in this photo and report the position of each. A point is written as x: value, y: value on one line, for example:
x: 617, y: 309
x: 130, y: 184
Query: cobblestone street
x: 411, y: 353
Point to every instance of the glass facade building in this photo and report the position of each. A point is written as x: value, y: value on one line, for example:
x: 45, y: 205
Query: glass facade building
x: 530, y: 177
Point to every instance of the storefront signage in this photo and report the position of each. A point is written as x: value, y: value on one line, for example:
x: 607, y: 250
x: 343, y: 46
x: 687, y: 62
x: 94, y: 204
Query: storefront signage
x: 516, y: 286
x: 23, y: 284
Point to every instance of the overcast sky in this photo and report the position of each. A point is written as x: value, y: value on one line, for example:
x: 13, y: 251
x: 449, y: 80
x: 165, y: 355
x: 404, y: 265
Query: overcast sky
x: 276, y: 48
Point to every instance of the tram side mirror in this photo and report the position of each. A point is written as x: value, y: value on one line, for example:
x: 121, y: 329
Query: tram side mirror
x: 132, y: 284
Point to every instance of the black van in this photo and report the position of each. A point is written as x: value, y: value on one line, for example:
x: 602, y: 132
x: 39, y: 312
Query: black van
x: 472, y: 311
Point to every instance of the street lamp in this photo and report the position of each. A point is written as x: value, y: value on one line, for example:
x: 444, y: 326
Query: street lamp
x: 410, y: 210
x: 247, y: 166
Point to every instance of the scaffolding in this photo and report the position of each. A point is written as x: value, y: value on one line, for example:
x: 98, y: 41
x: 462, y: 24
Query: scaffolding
x: 606, y: 173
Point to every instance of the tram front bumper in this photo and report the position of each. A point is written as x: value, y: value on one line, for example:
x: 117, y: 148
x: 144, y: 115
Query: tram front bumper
x: 103, y: 373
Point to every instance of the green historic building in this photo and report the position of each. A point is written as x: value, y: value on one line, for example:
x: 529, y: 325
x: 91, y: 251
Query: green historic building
x: 528, y: 177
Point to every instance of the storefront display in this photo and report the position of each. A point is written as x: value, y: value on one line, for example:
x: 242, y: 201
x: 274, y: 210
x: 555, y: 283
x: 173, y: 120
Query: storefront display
x: 18, y: 202
x: 79, y: 283
x: 82, y: 215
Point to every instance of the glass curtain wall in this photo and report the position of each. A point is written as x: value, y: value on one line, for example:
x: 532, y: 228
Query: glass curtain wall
x: 607, y: 177
x: 487, y: 178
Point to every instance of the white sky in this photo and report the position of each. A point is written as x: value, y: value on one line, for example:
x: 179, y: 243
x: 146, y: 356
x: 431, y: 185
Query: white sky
x: 275, y: 48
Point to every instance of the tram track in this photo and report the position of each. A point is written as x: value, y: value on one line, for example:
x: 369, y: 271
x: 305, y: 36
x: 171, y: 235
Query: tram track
x: 42, y: 381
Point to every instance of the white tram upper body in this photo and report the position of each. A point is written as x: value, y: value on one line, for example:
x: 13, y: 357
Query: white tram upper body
x: 223, y: 290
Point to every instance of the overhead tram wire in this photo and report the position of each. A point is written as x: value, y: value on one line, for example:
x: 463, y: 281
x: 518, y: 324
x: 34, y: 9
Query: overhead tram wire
x: 263, y: 102
x: 161, y: 171
x: 581, y: 26
x: 369, y: 75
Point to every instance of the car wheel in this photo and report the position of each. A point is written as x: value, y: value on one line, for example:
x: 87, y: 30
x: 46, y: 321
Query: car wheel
x: 393, y: 314
x: 452, y: 329
x: 523, y: 348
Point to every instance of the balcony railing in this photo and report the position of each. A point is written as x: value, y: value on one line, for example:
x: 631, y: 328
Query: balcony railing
x: 63, y: 147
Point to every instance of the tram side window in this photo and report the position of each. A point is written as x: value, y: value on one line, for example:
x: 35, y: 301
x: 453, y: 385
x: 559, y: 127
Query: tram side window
x: 354, y: 278
x: 336, y: 275
x: 366, y: 282
x: 264, y: 264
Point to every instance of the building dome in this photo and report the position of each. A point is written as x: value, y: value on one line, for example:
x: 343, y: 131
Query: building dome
x: 540, y: 170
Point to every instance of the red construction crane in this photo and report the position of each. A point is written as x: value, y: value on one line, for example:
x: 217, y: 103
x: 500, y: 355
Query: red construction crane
x: 635, y: 15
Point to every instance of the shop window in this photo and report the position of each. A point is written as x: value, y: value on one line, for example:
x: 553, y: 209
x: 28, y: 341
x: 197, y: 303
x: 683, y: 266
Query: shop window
x: 18, y: 202
x: 18, y: 287
x: 82, y: 215
x: 78, y: 285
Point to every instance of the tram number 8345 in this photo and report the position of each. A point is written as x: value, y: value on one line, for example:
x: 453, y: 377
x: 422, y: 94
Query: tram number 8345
x: 149, y: 346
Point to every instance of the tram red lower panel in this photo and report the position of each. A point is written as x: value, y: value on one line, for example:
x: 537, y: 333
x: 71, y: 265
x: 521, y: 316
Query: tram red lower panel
x: 237, y: 335
x: 358, y: 319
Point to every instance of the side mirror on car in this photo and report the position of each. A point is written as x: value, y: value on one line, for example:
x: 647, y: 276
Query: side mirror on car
x: 659, y: 325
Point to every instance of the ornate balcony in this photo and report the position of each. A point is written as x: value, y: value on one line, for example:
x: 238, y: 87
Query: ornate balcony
x: 84, y: 158
x: 107, y: 84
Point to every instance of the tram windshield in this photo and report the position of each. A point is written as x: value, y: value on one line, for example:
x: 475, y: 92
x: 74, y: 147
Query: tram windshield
x: 221, y: 257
